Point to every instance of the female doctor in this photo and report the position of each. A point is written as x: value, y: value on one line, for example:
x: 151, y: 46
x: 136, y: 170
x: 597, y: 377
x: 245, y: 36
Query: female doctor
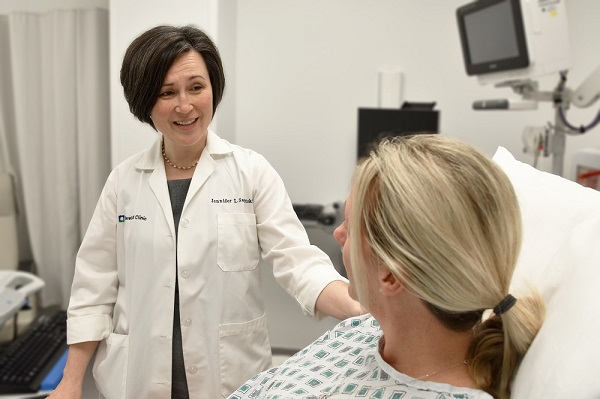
x: 166, y: 291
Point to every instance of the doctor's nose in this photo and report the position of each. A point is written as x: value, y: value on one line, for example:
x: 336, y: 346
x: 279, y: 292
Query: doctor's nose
x: 184, y: 105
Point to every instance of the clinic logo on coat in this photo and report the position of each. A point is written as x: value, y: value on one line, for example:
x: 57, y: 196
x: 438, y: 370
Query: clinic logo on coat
x: 123, y: 218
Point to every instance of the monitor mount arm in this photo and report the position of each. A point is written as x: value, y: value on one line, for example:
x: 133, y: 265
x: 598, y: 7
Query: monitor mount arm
x: 562, y: 97
x: 588, y: 91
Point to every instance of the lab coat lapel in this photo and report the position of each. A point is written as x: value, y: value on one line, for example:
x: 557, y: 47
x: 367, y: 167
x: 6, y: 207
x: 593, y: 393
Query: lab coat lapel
x: 158, y: 185
x: 206, y: 166
x: 152, y: 162
x: 215, y: 146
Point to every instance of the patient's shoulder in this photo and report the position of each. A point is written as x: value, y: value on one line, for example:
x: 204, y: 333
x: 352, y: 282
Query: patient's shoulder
x: 365, y: 321
x: 364, y: 325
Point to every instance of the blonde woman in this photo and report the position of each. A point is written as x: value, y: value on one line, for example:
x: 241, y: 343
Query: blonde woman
x: 430, y: 240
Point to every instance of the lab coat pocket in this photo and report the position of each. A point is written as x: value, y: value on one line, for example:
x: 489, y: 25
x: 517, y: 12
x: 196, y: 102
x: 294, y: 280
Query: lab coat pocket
x: 244, y: 351
x: 237, y: 246
x: 110, y: 366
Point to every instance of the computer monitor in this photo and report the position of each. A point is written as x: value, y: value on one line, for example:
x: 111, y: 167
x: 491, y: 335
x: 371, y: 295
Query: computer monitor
x: 374, y: 124
x: 506, y: 40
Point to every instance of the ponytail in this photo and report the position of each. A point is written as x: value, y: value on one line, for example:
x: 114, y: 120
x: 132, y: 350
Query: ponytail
x: 501, y: 341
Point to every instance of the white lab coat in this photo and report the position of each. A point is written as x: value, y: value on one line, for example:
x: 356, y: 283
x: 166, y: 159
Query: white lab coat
x: 123, y: 289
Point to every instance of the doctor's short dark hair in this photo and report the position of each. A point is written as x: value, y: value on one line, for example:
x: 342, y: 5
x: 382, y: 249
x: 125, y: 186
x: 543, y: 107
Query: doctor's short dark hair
x: 149, y: 57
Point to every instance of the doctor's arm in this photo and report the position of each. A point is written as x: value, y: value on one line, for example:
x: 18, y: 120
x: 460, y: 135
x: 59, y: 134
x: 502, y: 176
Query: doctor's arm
x: 71, y: 385
x: 335, y: 301
x: 302, y: 269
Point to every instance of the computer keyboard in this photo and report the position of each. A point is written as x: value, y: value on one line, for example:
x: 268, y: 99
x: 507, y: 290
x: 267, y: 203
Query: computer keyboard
x: 25, y: 362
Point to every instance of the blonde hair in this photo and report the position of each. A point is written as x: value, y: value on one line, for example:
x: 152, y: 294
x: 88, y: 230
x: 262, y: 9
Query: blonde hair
x: 445, y: 220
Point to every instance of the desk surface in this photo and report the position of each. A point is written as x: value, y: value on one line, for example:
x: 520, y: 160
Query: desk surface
x: 40, y: 395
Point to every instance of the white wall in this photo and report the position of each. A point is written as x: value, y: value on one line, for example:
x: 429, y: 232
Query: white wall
x: 298, y: 70
x: 304, y: 67
x: 7, y: 6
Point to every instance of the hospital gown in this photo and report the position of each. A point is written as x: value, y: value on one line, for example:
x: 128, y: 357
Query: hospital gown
x: 345, y: 363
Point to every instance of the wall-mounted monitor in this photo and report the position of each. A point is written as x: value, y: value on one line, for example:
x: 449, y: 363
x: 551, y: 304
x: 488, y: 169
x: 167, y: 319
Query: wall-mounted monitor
x: 374, y: 124
x: 504, y: 40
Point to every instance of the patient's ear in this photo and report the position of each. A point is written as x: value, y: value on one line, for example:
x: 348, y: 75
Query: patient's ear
x: 389, y: 284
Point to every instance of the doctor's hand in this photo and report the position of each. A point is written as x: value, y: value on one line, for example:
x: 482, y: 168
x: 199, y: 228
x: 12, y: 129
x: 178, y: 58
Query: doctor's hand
x: 66, y: 390
x: 71, y: 385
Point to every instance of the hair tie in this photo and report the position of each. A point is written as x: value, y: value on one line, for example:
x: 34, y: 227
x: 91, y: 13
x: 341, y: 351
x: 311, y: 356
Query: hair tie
x: 505, y: 305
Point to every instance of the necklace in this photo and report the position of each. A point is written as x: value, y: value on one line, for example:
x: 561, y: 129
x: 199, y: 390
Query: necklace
x: 167, y: 160
x: 382, y: 346
x: 442, y: 370
x: 336, y: 393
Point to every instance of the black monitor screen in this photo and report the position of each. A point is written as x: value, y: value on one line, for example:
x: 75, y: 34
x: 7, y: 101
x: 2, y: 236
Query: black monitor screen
x: 492, y: 23
x: 375, y: 124
x: 492, y: 36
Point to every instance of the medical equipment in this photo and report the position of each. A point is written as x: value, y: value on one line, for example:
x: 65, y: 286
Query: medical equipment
x: 509, y: 42
x: 585, y: 168
x: 15, y: 287
x: 551, y: 138
x: 320, y: 221
x: 506, y: 40
x: 326, y: 217
x: 375, y: 124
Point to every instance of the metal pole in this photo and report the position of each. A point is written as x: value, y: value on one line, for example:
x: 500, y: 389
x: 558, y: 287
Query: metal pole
x: 558, y: 144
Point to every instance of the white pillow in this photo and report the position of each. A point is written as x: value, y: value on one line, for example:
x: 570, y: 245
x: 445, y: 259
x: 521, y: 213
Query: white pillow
x: 561, y: 257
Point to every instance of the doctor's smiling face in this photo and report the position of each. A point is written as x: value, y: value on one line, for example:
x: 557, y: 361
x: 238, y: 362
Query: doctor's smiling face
x: 184, y: 107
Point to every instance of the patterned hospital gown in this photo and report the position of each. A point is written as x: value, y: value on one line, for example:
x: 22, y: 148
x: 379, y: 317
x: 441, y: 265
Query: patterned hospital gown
x: 345, y: 363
